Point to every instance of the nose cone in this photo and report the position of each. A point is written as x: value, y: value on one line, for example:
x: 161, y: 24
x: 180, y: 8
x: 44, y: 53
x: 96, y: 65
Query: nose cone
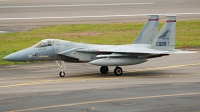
x: 13, y: 57
x: 8, y: 57
x: 17, y: 56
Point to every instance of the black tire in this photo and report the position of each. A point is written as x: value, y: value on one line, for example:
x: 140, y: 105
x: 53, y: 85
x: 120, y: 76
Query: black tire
x: 62, y: 73
x: 118, y: 71
x: 104, y: 69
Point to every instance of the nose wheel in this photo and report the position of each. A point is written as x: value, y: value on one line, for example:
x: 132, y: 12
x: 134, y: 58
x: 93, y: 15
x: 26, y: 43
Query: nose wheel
x: 62, y: 73
x: 61, y: 65
x: 104, y: 69
x: 118, y: 71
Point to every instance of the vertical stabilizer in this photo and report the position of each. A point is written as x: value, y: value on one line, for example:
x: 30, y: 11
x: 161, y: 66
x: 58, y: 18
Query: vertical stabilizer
x: 149, y: 31
x: 165, y: 40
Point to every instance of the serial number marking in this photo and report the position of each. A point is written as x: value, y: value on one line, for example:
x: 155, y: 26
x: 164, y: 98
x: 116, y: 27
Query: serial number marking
x: 161, y: 43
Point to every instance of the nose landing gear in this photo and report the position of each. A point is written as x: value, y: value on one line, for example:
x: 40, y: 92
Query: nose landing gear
x: 61, y: 65
x: 62, y: 73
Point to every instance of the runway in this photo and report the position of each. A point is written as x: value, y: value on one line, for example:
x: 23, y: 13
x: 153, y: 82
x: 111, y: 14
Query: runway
x: 166, y: 84
x: 22, y: 15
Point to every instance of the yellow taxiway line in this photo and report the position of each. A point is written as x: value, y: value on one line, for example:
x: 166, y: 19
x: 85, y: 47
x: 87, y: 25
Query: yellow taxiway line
x: 161, y: 68
x: 91, y: 77
x: 60, y: 80
x: 126, y: 71
x: 104, y: 101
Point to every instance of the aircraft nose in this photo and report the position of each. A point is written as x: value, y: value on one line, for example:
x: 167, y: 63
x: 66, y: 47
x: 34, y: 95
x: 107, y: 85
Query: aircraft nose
x: 6, y: 58
x: 12, y: 57
x: 17, y: 56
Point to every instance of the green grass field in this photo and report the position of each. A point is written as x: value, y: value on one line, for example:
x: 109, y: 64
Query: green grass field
x: 188, y: 32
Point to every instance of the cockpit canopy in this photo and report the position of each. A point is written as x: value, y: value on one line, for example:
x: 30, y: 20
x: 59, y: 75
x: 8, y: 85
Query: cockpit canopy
x: 49, y: 42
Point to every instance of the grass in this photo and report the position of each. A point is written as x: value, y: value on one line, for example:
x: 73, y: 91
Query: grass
x: 188, y: 32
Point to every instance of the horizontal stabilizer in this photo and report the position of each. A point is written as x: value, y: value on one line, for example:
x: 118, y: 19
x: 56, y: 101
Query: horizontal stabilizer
x: 182, y: 52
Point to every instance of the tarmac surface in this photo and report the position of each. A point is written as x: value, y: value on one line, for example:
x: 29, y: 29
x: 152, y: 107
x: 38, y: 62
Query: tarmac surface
x: 21, y: 15
x: 166, y: 84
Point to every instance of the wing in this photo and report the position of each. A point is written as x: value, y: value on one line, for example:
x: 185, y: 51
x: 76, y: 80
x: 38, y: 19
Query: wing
x: 181, y: 52
x: 117, y: 51
x: 125, y: 49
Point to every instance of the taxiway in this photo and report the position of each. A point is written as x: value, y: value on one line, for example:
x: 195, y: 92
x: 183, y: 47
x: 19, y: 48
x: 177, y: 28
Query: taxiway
x: 164, y: 84
x: 21, y: 15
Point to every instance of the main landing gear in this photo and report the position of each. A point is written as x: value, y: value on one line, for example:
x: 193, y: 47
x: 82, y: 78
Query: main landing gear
x: 118, y: 70
x: 104, y: 69
x: 61, y: 65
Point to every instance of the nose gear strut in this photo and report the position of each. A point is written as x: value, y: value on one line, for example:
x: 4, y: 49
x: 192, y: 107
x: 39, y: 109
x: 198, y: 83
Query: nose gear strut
x: 61, y: 65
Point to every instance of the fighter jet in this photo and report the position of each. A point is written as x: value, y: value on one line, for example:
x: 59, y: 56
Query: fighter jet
x: 148, y: 44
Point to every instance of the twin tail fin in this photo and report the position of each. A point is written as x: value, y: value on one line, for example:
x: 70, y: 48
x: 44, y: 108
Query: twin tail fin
x: 165, y: 40
x: 149, y: 31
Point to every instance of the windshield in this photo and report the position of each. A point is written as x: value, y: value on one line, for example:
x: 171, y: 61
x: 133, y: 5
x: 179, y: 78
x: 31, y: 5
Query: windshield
x: 48, y: 42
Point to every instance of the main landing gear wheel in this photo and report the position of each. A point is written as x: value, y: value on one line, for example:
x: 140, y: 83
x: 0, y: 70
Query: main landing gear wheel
x: 62, y: 73
x: 104, y: 69
x: 118, y: 71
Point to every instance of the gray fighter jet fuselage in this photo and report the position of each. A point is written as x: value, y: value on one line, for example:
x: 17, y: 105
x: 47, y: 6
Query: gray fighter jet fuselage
x: 55, y: 49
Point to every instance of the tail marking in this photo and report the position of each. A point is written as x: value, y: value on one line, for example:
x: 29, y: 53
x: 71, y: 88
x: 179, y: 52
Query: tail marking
x: 164, y: 35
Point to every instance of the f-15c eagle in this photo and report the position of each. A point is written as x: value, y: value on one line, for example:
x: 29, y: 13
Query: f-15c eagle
x: 148, y: 44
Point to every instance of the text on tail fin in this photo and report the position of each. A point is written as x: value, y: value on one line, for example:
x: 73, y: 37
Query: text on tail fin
x: 165, y: 40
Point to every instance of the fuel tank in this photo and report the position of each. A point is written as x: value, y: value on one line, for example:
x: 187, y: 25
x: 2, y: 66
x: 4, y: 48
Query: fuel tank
x: 117, y: 61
